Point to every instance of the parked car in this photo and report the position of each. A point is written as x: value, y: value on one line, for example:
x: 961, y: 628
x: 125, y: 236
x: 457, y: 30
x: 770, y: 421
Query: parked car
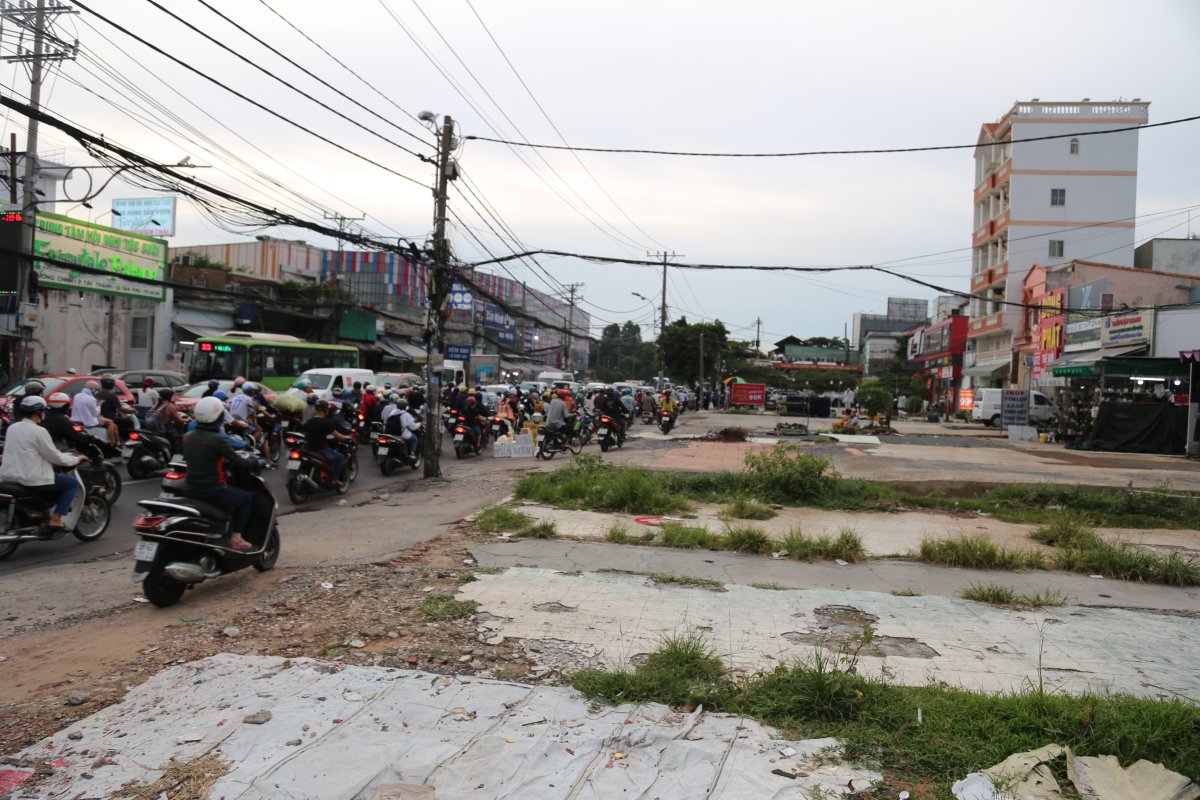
x: 989, y: 410
x: 69, y: 384
x: 187, y: 399
x: 135, y: 378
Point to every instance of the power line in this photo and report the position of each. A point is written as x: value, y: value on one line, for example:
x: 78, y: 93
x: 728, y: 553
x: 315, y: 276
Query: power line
x: 829, y: 152
x: 249, y: 100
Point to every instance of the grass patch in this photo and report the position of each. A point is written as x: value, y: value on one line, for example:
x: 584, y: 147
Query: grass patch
x: 1160, y: 507
x: 747, y: 539
x: 906, y: 593
x: 747, y: 509
x: 977, y: 552
x: 846, y: 545
x: 683, y: 580
x: 539, y: 530
x: 471, y: 574
x: 773, y: 587
x: 617, y: 533
x: 689, y: 537
x: 440, y: 606
x: 1005, y: 596
x: 1080, y: 549
x: 495, y: 519
x: 961, y: 731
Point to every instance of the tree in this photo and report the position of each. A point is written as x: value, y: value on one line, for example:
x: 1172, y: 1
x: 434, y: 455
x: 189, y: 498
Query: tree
x: 681, y: 342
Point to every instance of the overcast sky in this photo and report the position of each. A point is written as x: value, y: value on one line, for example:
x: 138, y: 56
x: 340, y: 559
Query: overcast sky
x: 707, y: 76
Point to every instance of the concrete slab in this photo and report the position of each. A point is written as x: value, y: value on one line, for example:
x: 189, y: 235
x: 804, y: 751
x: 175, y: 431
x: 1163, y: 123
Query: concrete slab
x: 617, y: 617
x: 371, y: 733
x: 882, y: 534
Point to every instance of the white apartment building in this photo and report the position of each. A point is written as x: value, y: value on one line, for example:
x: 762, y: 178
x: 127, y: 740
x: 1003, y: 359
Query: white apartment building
x: 1045, y: 202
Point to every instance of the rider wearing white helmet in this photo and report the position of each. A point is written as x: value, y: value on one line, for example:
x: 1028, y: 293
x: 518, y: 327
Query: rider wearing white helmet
x: 30, y: 458
x: 209, y: 456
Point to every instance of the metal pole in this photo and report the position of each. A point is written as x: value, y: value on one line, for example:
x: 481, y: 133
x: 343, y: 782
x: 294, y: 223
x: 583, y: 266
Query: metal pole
x: 29, y: 197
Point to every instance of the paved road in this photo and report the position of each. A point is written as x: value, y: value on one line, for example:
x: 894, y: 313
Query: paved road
x: 120, y: 538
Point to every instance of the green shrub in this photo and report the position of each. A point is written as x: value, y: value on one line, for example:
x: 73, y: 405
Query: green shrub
x: 786, y: 474
x: 847, y: 546
x: 617, y: 534
x: 689, y: 537
x: 540, y: 530
x: 973, y: 552
x: 747, y: 509
x: 874, y: 399
x: 495, y: 519
x: 913, y: 404
x: 747, y: 539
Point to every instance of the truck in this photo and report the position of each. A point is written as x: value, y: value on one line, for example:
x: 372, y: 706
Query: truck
x: 989, y: 408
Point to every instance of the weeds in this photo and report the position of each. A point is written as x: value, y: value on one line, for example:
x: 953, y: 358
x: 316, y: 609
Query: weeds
x: 540, y: 530
x: 747, y: 509
x: 617, y: 534
x: 769, y: 586
x: 786, y: 474
x: 472, y: 574
x: 906, y: 593
x: 961, y: 732
x: 1080, y: 549
x: 747, y: 539
x: 495, y: 519
x: 975, y: 552
x: 990, y: 593
x: 440, y: 606
x: 847, y: 546
x: 684, y: 580
x: 690, y: 537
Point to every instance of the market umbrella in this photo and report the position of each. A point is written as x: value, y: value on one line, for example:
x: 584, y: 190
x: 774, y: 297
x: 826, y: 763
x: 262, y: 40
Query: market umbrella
x: 733, y: 379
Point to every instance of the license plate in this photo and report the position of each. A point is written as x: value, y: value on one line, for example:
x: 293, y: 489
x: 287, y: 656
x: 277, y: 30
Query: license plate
x: 604, y: 431
x: 126, y: 452
x: 383, y: 451
x: 145, y: 550
x: 294, y: 464
x: 458, y: 437
x: 496, y: 429
x: 374, y: 436
x: 284, y: 424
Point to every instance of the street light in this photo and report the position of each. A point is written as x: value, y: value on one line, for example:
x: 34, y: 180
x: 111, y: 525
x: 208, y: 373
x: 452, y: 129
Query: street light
x: 661, y: 360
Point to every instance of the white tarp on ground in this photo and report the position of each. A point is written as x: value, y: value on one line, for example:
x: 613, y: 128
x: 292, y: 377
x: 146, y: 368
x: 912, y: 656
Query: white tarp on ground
x: 375, y: 733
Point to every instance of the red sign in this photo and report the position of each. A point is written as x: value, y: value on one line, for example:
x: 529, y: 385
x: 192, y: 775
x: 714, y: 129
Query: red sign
x: 749, y: 394
x: 966, y: 399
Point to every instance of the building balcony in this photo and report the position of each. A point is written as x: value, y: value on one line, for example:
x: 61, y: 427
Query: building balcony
x: 988, y: 277
x: 986, y: 325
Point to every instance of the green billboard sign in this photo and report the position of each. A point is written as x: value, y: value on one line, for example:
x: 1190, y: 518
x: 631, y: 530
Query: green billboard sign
x: 109, y: 258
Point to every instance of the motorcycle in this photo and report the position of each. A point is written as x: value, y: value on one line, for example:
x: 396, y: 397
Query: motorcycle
x: 464, y: 443
x: 565, y: 439
x: 499, y: 426
x: 182, y: 539
x: 585, y: 429
x: 312, y: 474
x: 146, y: 453
x: 607, y: 433
x: 666, y: 421
x: 392, y: 452
x: 25, y: 515
x: 99, y: 472
x: 272, y: 436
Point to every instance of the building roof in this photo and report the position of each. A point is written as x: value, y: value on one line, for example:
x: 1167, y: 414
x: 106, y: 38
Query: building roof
x: 1069, y: 264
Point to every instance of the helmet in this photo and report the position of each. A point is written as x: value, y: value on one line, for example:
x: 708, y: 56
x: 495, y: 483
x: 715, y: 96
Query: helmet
x: 564, y: 393
x: 213, y: 384
x: 323, y: 405
x: 626, y: 392
x: 35, y: 388
x: 147, y: 381
x: 536, y: 418
x: 401, y: 404
x: 107, y: 382
x: 249, y: 388
x: 470, y: 392
x: 238, y: 381
x: 208, y: 410
x: 220, y: 396
x: 393, y: 396
x: 166, y: 393
x: 336, y: 391
x: 59, y: 400
x: 369, y: 388
x: 303, y: 383
x: 358, y: 385
x: 32, y: 404
x: 387, y: 385
x: 92, y: 385
x: 666, y: 391
x: 471, y: 400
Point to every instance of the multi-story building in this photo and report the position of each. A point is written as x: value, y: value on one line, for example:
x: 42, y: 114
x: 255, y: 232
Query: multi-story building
x: 903, y: 314
x: 1045, y: 202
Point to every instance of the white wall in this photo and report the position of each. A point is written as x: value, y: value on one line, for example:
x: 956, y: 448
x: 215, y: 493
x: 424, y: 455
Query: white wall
x: 1176, y: 329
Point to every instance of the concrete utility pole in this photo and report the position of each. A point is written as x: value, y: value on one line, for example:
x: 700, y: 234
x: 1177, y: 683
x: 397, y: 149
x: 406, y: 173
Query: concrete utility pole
x: 33, y: 20
x: 758, y: 336
x: 701, y: 359
x: 435, y: 330
x: 662, y: 315
x: 572, y: 288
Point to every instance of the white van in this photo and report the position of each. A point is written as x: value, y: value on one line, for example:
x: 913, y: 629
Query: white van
x: 555, y: 377
x: 324, y: 380
x: 989, y: 410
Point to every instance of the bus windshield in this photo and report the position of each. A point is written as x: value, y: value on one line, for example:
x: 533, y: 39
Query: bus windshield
x: 220, y: 365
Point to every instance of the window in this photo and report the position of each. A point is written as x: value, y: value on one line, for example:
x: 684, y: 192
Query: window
x: 1056, y: 248
x: 139, y: 333
x: 1074, y: 147
x: 1058, y: 197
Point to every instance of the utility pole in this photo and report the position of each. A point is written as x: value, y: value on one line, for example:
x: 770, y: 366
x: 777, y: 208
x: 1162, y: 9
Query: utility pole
x: 572, y: 288
x: 34, y: 20
x: 702, y: 359
x: 662, y: 314
x: 758, y: 336
x: 342, y: 225
x: 435, y: 329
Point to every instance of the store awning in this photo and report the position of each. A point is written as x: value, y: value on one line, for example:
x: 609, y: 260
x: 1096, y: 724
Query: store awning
x: 986, y: 369
x: 399, y: 348
x: 199, y: 331
x: 1083, y: 364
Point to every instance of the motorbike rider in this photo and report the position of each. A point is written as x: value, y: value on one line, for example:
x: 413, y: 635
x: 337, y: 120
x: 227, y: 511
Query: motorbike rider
x: 164, y: 417
x: 556, y: 414
x: 612, y: 406
x: 30, y: 457
x: 209, y: 455
x: 629, y: 404
x: 416, y: 399
x: 472, y: 413
x: 85, y: 409
x: 668, y: 404
x: 369, y: 403
x: 213, y: 386
x: 246, y: 406
x: 62, y: 430
x: 147, y: 397
x: 403, y: 424
x: 317, y: 432
x: 110, y: 406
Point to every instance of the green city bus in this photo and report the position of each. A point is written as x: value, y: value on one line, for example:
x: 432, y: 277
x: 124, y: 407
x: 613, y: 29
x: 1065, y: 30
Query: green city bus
x: 274, y: 360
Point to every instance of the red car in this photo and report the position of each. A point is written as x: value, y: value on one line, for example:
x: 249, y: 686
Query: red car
x: 190, y: 395
x: 70, y: 384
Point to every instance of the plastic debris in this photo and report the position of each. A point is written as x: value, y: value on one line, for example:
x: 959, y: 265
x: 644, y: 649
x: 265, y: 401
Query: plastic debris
x: 140, y: 599
x: 778, y: 554
x: 840, y: 562
x: 787, y: 752
x: 326, y: 585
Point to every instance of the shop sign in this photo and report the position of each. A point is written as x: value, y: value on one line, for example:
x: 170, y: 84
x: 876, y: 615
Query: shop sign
x: 153, y: 216
x: 111, y: 257
x: 1014, y: 408
x: 966, y: 399
x: 1082, y: 334
x: 1120, y: 330
x: 748, y: 394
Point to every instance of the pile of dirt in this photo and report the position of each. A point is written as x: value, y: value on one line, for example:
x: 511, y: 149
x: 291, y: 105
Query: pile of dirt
x: 731, y: 435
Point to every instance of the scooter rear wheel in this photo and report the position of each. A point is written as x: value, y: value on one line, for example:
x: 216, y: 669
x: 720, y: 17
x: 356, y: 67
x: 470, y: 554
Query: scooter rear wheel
x: 138, y: 470
x: 112, y: 482
x: 270, y: 553
x: 388, y: 465
x: 297, y: 492
x: 7, y: 549
x: 161, y: 589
